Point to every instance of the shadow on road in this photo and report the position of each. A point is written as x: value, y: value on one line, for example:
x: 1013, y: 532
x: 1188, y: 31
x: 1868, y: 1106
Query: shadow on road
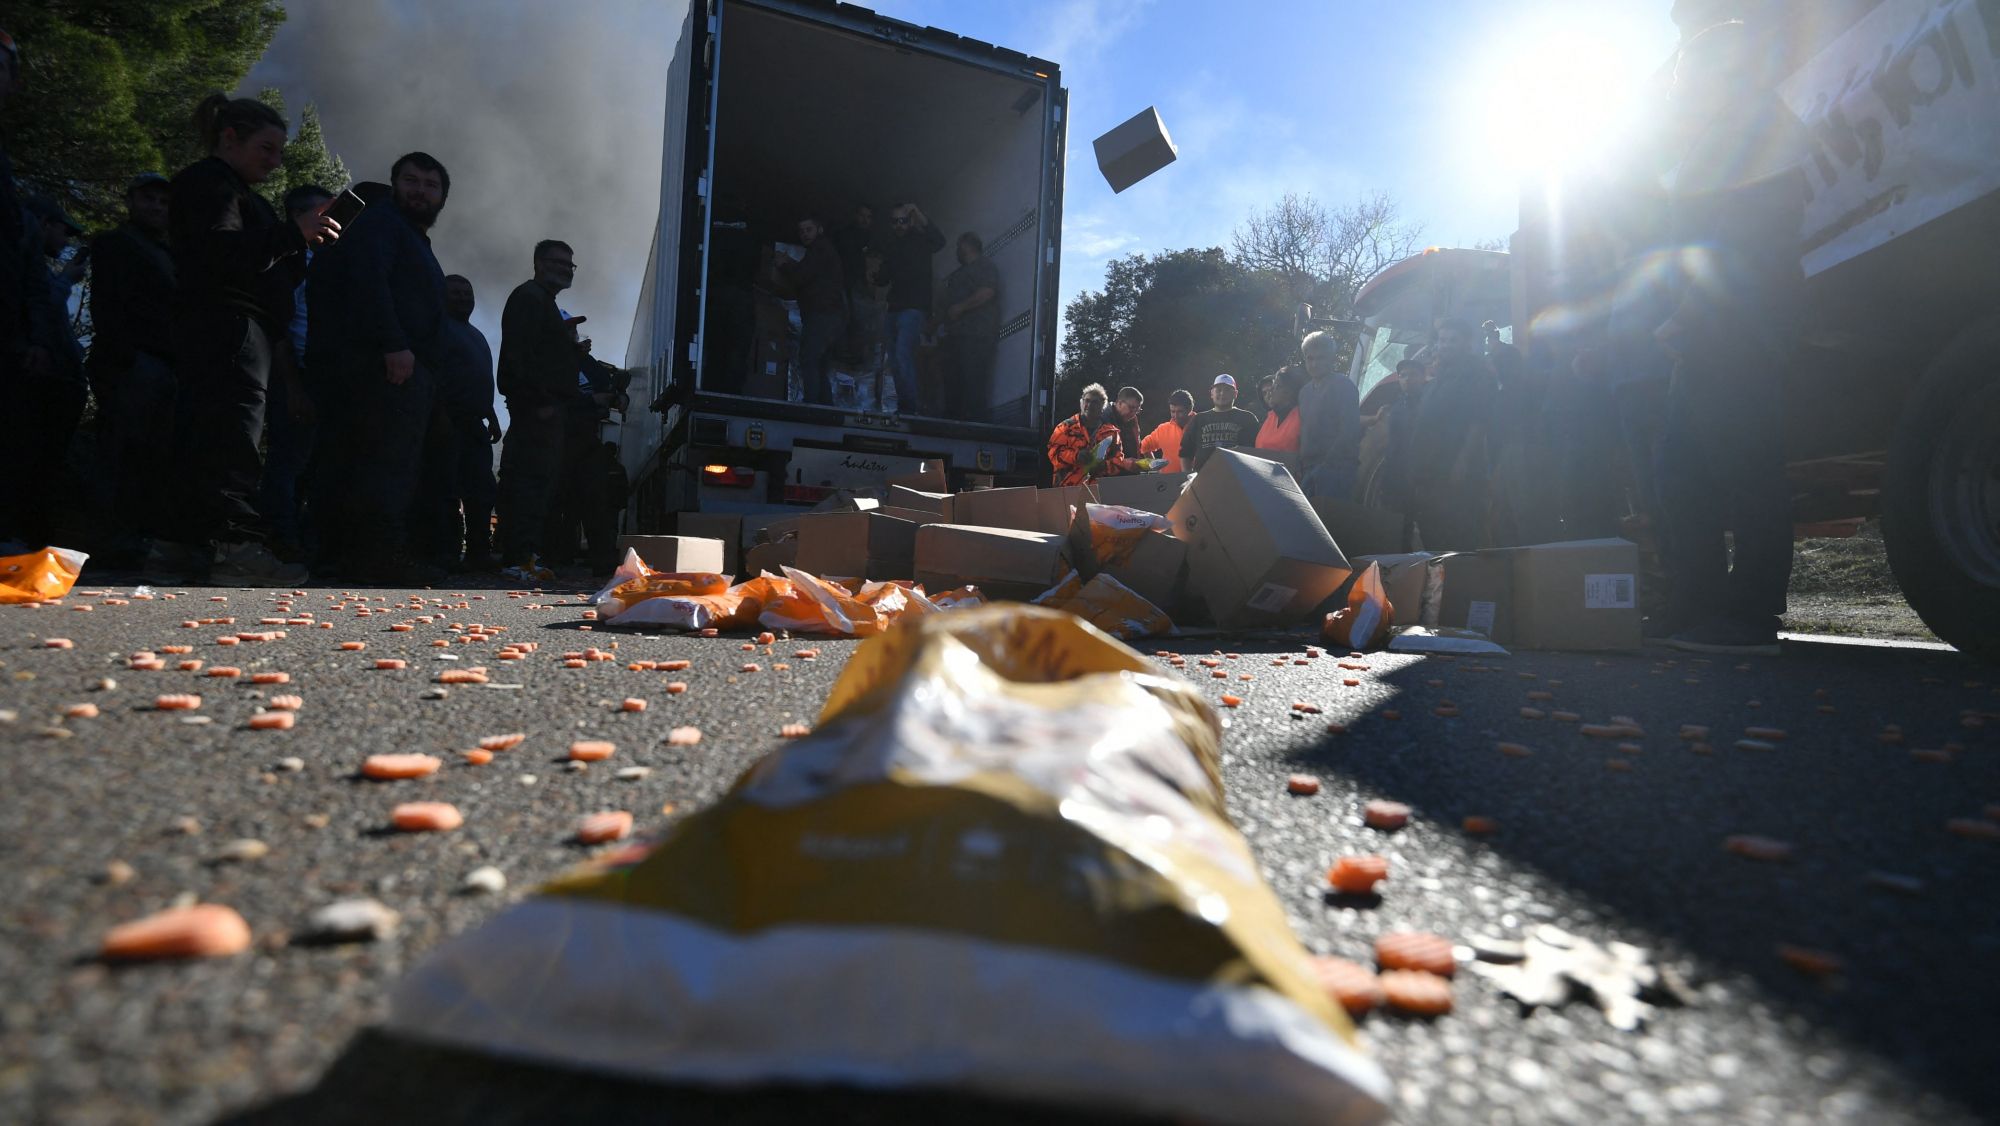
x: 1642, y: 846
x: 384, y: 1079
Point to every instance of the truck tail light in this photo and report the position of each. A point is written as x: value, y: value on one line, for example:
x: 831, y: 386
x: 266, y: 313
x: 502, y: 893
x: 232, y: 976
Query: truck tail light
x: 728, y: 476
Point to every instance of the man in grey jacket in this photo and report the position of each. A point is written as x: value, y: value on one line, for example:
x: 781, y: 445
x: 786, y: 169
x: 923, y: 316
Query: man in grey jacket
x: 1329, y: 421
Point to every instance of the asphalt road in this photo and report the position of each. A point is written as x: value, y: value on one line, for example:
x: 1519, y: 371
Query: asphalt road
x: 280, y: 1034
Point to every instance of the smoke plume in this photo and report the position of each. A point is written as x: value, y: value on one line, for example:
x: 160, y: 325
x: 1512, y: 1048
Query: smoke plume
x: 548, y: 117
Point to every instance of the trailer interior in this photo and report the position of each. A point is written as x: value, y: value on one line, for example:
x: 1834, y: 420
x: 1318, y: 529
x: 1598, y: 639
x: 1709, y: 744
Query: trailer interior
x: 815, y: 120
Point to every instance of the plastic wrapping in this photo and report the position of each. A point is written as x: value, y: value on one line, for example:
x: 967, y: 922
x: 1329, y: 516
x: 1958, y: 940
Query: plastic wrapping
x: 1001, y: 863
x: 1364, y: 623
x: 39, y: 575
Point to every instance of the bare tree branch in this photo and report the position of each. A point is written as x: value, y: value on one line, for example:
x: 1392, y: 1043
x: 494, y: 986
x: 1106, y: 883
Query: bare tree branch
x: 1322, y: 256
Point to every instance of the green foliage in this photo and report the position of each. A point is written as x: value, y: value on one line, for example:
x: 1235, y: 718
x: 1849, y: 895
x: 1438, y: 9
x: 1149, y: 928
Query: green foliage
x: 307, y: 160
x: 112, y: 86
x: 1173, y: 321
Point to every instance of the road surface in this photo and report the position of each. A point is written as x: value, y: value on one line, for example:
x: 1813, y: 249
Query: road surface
x: 281, y: 1033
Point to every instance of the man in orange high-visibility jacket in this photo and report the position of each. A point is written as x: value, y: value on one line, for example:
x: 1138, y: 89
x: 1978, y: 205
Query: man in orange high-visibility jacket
x: 1074, y: 448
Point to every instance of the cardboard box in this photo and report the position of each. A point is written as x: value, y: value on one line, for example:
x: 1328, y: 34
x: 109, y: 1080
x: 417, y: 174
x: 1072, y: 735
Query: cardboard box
x: 1152, y: 570
x: 677, y: 554
x: 1053, y: 507
x: 1360, y: 530
x: 1257, y: 553
x: 1413, y: 582
x: 856, y: 545
x: 774, y: 529
x: 996, y: 508
x: 1148, y: 492
x: 1578, y: 595
x: 929, y: 478
x: 717, y: 526
x: 1288, y: 458
x: 1478, y: 593
x: 911, y: 514
x: 771, y: 558
x: 1135, y: 149
x: 1003, y: 563
x: 937, y: 504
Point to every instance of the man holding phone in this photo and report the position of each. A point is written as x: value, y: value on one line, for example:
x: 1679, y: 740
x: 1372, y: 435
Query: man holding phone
x: 379, y: 320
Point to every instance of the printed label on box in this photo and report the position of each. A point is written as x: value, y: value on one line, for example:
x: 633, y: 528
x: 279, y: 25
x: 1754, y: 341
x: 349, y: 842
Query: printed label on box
x: 1479, y: 616
x: 1272, y: 598
x: 1610, y: 592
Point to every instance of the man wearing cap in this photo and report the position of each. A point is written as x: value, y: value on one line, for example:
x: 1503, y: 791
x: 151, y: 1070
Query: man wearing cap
x: 1226, y: 425
x: 131, y: 367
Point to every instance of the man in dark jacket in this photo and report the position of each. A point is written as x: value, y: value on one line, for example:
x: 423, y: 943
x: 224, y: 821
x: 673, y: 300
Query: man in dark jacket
x: 972, y: 334
x: 906, y: 264
x: 458, y: 465
x: 382, y: 333
x: 822, y: 293
x: 1740, y: 196
x: 131, y: 369
x: 538, y: 375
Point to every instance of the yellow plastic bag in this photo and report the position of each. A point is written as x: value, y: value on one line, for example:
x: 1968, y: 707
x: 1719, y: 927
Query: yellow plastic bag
x: 39, y: 575
x: 1365, y: 621
x: 1002, y: 863
x: 1109, y: 605
x: 1116, y: 531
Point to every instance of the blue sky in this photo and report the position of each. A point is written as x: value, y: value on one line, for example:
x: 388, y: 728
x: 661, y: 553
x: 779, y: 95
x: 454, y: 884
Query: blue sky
x: 1439, y: 103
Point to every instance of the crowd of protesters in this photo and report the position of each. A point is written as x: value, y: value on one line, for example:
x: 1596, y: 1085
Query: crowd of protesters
x: 279, y: 393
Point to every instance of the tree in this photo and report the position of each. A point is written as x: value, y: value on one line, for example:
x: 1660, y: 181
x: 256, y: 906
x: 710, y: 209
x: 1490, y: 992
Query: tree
x: 1325, y: 257
x: 307, y: 160
x: 112, y: 85
x: 1173, y: 321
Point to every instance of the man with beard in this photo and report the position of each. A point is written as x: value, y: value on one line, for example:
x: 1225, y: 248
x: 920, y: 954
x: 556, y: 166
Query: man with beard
x: 539, y: 358
x: 377, y: 315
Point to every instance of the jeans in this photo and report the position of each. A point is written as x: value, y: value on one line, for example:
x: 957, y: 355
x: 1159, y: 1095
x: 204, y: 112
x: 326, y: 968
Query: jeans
x: 1722, y: 461
x: 819, y: 334
x: 531, y: 463
x: 903, y: 328
x: 135, y: 437
x: 288, y: 452
x: 224, y: 370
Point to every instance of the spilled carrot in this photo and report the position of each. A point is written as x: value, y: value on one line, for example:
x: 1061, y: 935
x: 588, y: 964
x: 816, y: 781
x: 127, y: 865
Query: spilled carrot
x: 394, y: 766
x: 426, y: 817
x: 1415, y: 950
x: 205, y: 930
x: 1357, y: 875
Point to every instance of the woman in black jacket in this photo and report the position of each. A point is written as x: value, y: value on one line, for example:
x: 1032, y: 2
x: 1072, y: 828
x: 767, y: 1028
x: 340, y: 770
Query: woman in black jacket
x: 237, y: 265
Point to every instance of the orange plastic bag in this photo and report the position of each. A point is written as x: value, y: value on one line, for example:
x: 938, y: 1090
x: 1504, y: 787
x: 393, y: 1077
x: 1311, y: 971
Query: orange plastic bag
x: 1116, y: 531
x: 39, y: 575
x: 1366, y: 620
x: 1109, y: 605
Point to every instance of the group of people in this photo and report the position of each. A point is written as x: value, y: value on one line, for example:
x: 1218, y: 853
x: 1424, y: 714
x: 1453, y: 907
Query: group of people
x: 1312, y: 413
x: 1679, y: 379
x: 844, y: 276
x: 279, y: 393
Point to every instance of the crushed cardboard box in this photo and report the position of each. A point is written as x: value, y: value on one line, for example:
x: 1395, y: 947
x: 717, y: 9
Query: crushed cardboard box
x: 1414, y: 582
x: 677, y: 554
x: 1148, y: 492
x: 856, y: 545
x: 1257, y: 553
x: 1003, y: 563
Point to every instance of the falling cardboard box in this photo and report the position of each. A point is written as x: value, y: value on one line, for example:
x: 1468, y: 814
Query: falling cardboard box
x: 1147, y: 492
x: 857, y: 545
x: 1580, y: 595
x: 677, y: 554
x: 1257, y: 553
x: 1002, y: 562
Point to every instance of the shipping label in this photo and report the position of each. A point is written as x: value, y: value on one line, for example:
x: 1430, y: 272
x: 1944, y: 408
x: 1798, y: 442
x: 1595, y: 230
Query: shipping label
x: 1479, y: 616
x: 1610, y: 592
x: 1272, y: 598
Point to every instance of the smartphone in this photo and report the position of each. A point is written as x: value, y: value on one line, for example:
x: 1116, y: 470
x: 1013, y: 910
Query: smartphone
x: 345, y: 208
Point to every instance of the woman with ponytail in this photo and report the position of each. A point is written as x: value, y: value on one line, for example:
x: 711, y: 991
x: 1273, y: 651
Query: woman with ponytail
x: 238, y: 264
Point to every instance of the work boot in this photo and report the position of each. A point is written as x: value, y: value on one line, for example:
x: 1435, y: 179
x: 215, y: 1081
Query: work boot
x: 252, y: 564
x: 1728, y: 638
x: 172, y: 562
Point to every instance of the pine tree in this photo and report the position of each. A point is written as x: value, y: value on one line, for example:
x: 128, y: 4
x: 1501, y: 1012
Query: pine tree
x: 112, y: 86
x: 307, y: 160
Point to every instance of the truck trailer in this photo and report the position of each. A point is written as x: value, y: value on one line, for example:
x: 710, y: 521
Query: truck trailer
x: 779, y: 109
